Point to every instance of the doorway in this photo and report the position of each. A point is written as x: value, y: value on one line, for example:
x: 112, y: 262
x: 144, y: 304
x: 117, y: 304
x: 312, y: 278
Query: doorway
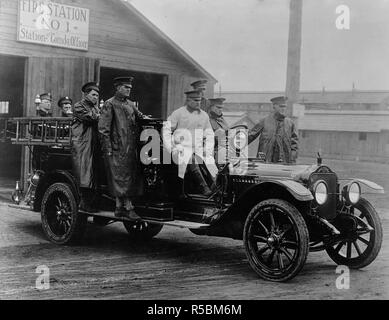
x: 11, y: 105
x: 149, y: 89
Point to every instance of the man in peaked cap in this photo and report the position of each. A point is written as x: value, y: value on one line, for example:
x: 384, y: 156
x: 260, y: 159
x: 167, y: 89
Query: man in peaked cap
x: 188, y: 135
x: 278, y: 134
x: 44, y: 106
x: 85, y: 145
x: 218, y: 123
x: 201, y: 86
x: 65, y: 104
x: 216, y: 114
x: 119, y: 129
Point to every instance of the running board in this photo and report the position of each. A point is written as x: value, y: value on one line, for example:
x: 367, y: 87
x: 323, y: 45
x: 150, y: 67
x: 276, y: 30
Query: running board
x: 20, y: 207
x: 173, y: 223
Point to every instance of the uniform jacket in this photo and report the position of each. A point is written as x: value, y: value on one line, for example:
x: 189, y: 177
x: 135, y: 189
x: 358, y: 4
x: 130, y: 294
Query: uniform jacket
x: 119, y: 132
x: 217, y: 122
x: 220, y: 127
x: 190, y: 132
x: 85, y: 143
x: 278, y: 138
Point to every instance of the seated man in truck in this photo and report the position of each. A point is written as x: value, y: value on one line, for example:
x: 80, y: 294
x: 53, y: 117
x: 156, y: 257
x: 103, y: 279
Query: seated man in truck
x: 188, y: 135
x: 65, y: 104
x: 43, y: 108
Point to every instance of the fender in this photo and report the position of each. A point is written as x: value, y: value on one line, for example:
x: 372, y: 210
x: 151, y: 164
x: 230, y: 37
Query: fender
x: 53, y: 177
x: 366, y: 186
x: 231, y: 222
x: 296, y: 189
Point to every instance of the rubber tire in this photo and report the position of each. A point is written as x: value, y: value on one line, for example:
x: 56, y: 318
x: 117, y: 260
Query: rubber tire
x: 146, y: 234
x: 302, y: 231
x: 371, y: 252
x: 79, y: 221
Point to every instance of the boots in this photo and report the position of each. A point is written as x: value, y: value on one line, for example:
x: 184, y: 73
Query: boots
x: 119, y: 210
x: 86, y: 202
x: 130, y: 212
x: 125, y: 209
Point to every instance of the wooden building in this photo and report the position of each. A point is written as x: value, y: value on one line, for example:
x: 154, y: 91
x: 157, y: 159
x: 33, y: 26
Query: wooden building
x: 350, y: 125
x: 57, y: 46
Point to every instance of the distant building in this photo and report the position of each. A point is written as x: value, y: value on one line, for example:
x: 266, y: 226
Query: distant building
x: 338, y: 100
x: 351, y: 125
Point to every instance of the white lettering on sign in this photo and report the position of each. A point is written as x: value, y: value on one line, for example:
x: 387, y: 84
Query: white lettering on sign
x: 343, y: 20
x: 54, y: 24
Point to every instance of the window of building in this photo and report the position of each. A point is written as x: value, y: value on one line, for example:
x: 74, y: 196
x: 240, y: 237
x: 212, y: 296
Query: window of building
x: 362, y: 136
x: 304, y: 133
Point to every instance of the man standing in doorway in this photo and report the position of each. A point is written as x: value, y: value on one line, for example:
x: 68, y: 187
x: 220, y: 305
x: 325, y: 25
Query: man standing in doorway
x: 119, y: 131
x: 278, y: 134
x: 86, y: 145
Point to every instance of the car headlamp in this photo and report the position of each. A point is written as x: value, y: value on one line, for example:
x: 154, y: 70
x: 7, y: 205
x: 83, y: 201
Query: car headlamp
x: 320, y: 191
x: 352, y: 193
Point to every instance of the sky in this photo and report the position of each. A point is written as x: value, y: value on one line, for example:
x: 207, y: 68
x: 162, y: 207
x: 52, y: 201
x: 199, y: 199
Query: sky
x: 243, y: 44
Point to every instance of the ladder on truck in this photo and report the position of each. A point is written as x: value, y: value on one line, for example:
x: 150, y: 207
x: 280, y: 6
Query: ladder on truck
x: 32, y: 131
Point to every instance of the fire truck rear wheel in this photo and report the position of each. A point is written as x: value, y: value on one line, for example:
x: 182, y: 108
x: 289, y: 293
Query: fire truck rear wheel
x: 61, y: 221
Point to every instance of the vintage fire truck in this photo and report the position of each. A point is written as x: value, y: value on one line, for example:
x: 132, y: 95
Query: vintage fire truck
x: 280, y: 212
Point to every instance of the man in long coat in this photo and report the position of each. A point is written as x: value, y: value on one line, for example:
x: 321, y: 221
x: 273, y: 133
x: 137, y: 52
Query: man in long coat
x: 85, y: 144
x: 278, y: 134
x: 119, y: 130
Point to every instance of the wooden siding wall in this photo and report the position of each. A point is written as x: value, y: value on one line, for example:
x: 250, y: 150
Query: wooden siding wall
x: 117, y: 38
x: 345, y: 145
x: 43, y: 73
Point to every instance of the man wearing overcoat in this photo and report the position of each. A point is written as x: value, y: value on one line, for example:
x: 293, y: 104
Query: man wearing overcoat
x: 85, y: 145
x: 119, y: 130
x: 278, y: 134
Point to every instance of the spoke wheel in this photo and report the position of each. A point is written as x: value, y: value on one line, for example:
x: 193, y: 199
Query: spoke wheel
x: 60, y: 219
x: 142, y: 230
x: 360, y: 246
x: 276, y: 240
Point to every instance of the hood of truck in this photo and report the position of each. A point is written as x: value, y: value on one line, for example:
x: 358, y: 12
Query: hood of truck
x: 299, y: 172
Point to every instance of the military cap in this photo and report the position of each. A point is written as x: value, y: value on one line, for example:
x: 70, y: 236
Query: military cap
x: 279, y: 100
x: 123, y: 80
x: 199, y: 84
x: 90, y: 86
x: 64, y: 100
x: 193, y: 94
x: 45, y: 96
x: 216, y: 101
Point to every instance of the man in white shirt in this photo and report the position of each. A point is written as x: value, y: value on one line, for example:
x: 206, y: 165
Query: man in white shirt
x: 188, y: 135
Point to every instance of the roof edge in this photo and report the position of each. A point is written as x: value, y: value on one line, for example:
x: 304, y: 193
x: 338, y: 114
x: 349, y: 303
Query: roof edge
x: 159, y: 32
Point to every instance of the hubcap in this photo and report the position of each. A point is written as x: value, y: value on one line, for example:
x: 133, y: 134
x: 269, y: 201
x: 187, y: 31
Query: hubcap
x: 273, y: 241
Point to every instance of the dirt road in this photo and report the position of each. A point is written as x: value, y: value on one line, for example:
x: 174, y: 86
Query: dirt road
x: 175, y: 265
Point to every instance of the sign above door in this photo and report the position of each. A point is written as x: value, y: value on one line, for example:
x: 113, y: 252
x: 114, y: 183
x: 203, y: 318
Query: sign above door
x: 53, y: 24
